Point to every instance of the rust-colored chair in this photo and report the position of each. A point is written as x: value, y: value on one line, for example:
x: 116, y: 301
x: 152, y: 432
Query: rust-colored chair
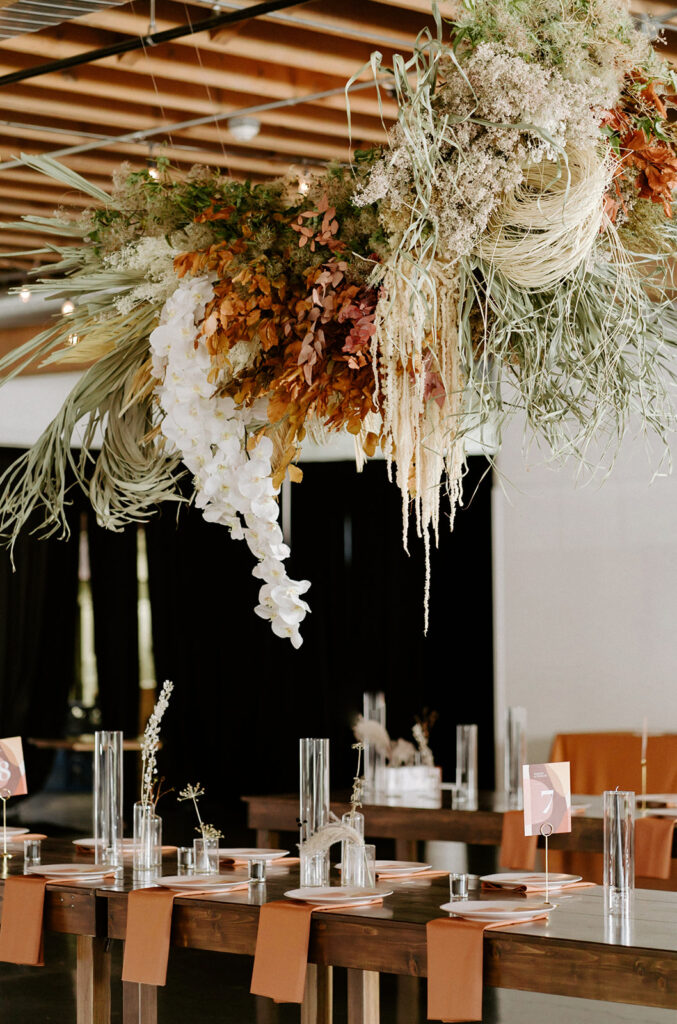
x: 605, y: 760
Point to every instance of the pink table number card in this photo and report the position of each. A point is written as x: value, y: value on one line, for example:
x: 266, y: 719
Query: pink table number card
x: 547, y: 798
x: 12, y: 767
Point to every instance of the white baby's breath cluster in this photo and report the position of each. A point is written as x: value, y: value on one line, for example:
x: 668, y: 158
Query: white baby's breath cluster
x: 493, y: 119
x: 150, y: 263
x: 151, y: 741
x: 234, y: 486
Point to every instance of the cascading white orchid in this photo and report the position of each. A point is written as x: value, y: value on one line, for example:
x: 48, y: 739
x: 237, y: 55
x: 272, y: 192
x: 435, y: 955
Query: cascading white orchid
x: 234, y: 486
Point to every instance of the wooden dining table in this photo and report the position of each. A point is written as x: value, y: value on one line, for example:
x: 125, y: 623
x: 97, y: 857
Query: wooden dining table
x: 411, y: 820
x: 582, y: 950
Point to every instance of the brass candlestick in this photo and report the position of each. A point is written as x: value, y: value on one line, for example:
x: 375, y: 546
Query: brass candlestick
x: 643, y: 805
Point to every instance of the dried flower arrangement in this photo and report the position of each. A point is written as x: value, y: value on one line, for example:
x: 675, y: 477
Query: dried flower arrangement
x: 508, y: 251
x: 151, y: 789
x: 194, y: 793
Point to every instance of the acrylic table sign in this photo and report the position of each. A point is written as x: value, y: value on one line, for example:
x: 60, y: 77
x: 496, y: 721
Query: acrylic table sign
x: 547, y: 802
x: 12, y: 783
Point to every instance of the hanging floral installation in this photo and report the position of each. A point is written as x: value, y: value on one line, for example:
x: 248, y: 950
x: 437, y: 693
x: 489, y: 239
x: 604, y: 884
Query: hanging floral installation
x: 509, y: 251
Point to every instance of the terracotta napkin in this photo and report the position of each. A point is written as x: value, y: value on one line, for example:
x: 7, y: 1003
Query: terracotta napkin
x: 149, y: 929
x: 17, y: 840
x: 282, y: 948
x: 653, y: 847
x: 21, y: 928
x: 526, y: 889
x: 517, y: 851
x: 281, y: 862
x: 455, y: 966
x: 411, y: 874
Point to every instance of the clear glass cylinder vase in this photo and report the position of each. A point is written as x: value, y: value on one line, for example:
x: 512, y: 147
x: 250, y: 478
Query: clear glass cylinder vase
x: 147, y: 839
x: 313, y: 807
x: 515, y: 756
x: 619, y: 845
x: 206, y: 852
x: 466, y: 768
x: 354, y: 820
x: 374, y: 710
x: 107, y: 823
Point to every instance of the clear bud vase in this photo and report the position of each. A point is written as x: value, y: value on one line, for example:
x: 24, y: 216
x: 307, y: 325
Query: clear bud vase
x: 515, y: 755
x: 353, y: 820
x: 313, y: 807
x: 374, y: 710
x: 108, y: 797
x: 147, y: 839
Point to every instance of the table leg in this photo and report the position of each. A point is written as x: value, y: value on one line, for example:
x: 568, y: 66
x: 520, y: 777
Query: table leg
x: 406, y: 849
x: 267, y: 839
x: 93, y: 980
x: 408, y: 990
x: 363, y: 997
x: 316, y: 1007
x: 139, y: 1003
x: 266, y: 1010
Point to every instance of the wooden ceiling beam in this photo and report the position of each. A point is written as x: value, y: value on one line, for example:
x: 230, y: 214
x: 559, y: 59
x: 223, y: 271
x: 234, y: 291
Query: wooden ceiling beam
x: 373, y: 23
x: 299, y: 47
x: 99, y: 112
x: 268, y: 79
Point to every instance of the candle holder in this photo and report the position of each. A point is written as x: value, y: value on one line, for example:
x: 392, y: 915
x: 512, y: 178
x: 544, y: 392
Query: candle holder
x: 374, y: 710
x: 313, y: 807
x: 515, y: 756
x: 465, y: 794
x: 619, y: 846
x: 108, y: 797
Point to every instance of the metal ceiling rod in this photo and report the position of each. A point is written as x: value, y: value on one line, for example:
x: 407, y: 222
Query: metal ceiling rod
x: 140, y: 43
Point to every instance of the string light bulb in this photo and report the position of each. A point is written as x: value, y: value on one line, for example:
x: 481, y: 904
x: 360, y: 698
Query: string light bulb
x: 304, y: 185
x: 153, y: 170
x: 25, y: 293
x: 73, y: 339
x: 68, y: 307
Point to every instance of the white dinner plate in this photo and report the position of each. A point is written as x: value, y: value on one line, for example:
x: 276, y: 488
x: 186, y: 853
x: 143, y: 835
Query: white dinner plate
x: 71, y: 870
x: 198, y: 882
x: 248, y: 853
x: 513, y: 878
x: 90, y: 843
x: 668, y: 799
x: 329, y: 894
x: 499, y: 910
x: 401, y: 867
x: 661, y: 812
x: 14, y: 830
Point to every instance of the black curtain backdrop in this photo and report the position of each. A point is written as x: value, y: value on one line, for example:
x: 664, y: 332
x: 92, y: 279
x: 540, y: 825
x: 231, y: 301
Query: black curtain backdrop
x: 243, y: 697
x: 38, y: 605
x: 112, y: 558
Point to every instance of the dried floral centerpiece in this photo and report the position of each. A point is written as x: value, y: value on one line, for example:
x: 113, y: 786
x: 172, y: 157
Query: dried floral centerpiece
x: 147, y: 823
x: 509, y: 251
x: 207, y: 846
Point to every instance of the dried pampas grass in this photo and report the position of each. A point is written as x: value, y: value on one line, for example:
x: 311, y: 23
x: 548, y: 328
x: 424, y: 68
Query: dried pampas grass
x: 326, y: 836
x: 371, y: 733
x: 548, y: 226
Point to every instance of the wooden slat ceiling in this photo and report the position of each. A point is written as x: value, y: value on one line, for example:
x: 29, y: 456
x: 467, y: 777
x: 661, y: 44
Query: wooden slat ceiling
x: 293, y: 53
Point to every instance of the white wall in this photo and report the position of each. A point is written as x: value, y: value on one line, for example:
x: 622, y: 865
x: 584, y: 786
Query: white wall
x: 585, y: 581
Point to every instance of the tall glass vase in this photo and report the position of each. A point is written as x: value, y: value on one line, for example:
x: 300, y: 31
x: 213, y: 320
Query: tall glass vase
x: 147, y: 839
x: 313, y: 807
x: 108, y: 797
x: 515, y: 755
x: 466, y: 768
x: 619, y: 847
x: 374, y: 710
